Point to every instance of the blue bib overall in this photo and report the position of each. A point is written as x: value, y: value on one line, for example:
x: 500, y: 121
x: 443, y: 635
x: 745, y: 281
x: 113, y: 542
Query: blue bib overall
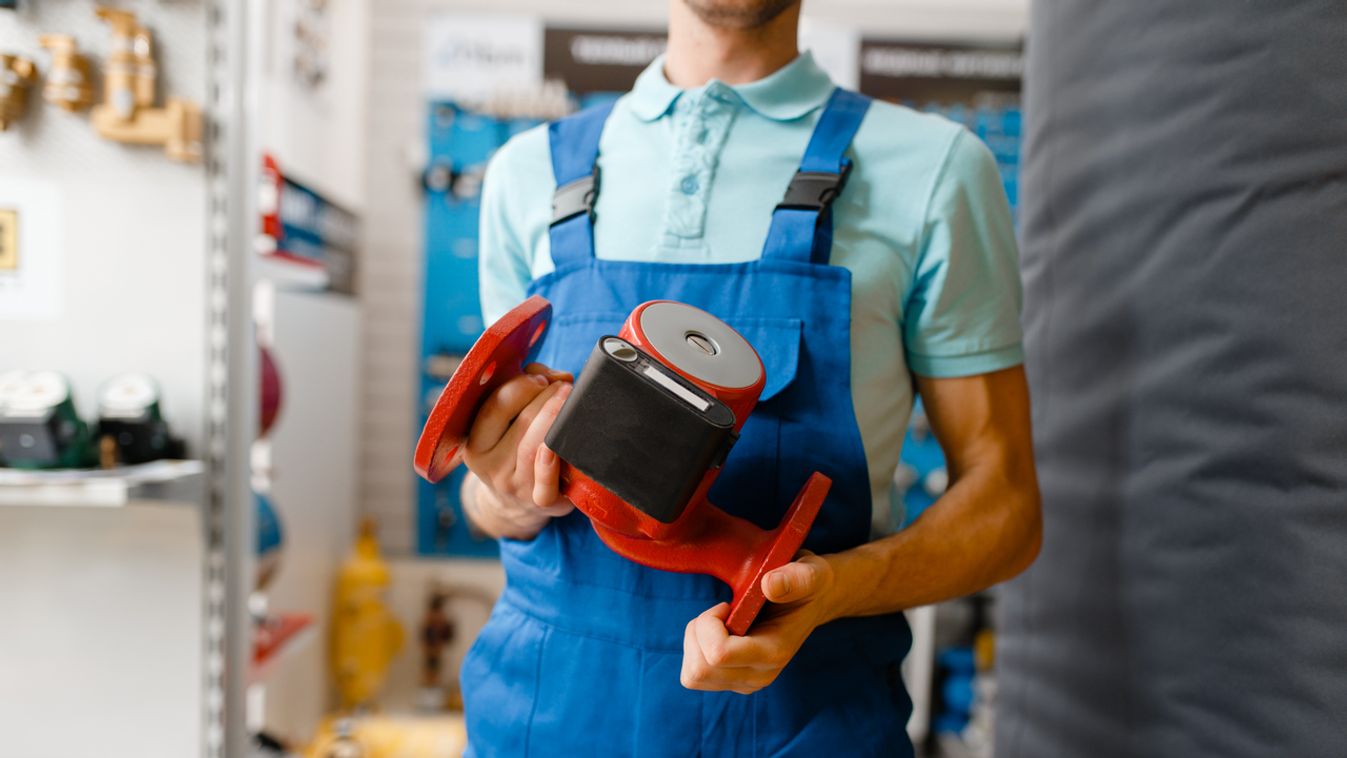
x: 582, y: 654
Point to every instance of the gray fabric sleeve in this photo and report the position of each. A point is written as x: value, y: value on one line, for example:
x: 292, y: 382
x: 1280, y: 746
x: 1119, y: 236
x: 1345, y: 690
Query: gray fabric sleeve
x: 1184, y: 253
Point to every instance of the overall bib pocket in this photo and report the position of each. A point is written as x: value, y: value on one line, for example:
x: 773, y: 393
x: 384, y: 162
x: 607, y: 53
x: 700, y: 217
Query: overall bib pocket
x: 756, y: 468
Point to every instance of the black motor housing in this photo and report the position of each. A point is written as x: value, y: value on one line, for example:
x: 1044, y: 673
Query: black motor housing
x: 640, y: 430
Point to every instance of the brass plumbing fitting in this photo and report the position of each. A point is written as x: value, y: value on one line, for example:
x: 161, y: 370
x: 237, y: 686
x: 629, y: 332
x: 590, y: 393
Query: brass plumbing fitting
x: 70, y: 82
x: 127, y: 113
x: 16, y: 76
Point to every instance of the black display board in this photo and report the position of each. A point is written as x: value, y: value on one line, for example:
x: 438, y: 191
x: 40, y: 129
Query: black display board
x: 590, y: 60
x: 921, y: 72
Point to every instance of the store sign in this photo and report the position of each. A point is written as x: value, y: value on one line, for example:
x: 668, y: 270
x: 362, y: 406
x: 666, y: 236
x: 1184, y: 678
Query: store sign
x: 599, y: 60
x: 924, y: 72
x: 609, y: 60
x: 473, y: 57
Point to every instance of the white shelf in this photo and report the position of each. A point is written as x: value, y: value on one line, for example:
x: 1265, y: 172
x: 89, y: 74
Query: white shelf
x: 160, y: 481
x: 288, y: 273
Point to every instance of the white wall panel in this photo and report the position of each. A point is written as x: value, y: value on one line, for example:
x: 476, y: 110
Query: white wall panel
x: 134, y: 221
x: 314, y: 447
x: 316, y: 133
x: 100, y: 646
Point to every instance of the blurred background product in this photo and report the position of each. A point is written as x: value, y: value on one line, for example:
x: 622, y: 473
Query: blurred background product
x: 271, y: 391
x: 70, y: 79
x: 365, y: 635
x: 378, y: 736
x: 17, y: 75
x: 305, y: 235
x: 270, y: 540
x: 436, y: 632
x: 130, y: 84
x: 964, y: 687
x: 129, y: 416
x: 39, y: 426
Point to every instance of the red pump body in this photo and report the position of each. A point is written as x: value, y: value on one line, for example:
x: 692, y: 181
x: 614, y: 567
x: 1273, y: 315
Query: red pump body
x: 704, y: 539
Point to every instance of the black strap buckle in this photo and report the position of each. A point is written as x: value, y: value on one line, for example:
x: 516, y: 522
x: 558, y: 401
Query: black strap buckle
x: 815, y: 190
x: 573, y: 198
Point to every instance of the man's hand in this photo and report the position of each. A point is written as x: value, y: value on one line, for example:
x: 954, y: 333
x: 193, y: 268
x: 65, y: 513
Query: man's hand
x: 985, y: 529
x: 715, y: 660
x: 515, y: 487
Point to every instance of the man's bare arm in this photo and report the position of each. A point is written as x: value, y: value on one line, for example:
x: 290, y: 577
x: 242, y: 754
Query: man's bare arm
x: 983, y: 530
x: 987, y: 526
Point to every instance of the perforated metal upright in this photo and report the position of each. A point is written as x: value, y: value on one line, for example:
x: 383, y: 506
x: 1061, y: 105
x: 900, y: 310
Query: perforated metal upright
x: 233, y: 51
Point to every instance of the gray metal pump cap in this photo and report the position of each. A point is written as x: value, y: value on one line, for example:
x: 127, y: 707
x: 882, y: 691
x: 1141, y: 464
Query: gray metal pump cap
x: 701, y: 345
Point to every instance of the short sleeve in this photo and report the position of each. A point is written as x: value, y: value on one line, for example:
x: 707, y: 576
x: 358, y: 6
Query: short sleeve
x: 502, y: 256
x: 962, y: 314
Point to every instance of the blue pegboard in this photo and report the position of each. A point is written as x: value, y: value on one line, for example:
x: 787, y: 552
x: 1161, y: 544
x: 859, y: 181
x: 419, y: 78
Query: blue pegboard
x: 460, y: 144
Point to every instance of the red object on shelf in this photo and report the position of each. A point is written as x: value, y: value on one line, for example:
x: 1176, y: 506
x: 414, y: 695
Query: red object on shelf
x: 271, y: 392
x: 704, y: 539
x: 273, y: 632
x: 270, y: 195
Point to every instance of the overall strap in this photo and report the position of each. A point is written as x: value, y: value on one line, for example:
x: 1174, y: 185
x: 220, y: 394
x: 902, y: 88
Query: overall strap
x: 574, y: 142
x: 802, y: 227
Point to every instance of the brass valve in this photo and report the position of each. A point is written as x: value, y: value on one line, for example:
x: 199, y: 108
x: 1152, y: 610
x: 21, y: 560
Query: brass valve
x: 70, y: 82
x: 128, y: 72
x: 16, y: 76
x: 127, y: 113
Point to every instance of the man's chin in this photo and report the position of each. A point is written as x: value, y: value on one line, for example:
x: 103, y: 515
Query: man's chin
x: 739, y: 14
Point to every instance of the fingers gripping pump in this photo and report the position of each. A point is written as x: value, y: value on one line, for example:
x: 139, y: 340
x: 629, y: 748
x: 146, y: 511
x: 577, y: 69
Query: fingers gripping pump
x: 642, y: 438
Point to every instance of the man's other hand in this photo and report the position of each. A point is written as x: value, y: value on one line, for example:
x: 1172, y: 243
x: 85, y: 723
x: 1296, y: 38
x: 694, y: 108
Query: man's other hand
x: 715, y: 660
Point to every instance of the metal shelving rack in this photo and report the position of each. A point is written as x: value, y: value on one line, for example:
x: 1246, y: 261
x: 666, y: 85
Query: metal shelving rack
x: 231, y: 407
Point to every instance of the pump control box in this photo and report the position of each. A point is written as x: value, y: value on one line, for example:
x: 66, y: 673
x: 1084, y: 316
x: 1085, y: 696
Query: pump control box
x: 640, y: 430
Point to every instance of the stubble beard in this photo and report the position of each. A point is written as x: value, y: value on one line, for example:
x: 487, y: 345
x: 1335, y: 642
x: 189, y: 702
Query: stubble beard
x: 739, y: 14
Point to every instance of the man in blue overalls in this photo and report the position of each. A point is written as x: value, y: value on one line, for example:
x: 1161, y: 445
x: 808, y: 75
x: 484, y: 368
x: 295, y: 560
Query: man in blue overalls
x: 892, y: 262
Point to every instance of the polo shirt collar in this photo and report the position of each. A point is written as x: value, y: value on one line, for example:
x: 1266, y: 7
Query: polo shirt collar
x: 784, y: 95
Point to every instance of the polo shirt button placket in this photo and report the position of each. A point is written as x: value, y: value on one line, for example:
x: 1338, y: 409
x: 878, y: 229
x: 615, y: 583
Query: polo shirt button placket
x: 700, y: 123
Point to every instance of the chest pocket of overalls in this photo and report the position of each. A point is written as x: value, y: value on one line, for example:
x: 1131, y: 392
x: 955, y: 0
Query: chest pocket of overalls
x: 751, y: 485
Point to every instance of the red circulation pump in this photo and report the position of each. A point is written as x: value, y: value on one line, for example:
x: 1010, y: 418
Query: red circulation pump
x: 642, y: 437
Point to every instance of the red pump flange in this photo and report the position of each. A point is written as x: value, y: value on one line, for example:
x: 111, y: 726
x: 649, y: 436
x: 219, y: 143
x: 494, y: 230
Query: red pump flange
x: 495, y: 358
x: 703, y: 539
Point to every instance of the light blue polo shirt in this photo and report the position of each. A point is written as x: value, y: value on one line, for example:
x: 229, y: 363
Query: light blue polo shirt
x: 692, y: 176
